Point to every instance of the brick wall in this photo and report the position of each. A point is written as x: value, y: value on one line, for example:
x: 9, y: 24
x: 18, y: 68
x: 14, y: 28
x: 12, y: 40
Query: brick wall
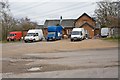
x: 90, y: 21
x: 84, y: 19
x: 90, y: 30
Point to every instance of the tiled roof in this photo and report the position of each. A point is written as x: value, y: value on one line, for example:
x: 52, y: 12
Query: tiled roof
x: 39, y: 26
x: 64, y: 23
x: 86, y: 15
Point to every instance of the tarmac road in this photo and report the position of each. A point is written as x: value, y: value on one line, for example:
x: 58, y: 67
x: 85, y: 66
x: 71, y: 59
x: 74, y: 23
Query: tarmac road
x: 96, y: 63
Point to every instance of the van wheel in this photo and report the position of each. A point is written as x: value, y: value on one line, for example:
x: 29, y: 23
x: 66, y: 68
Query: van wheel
x: 25, y: 41
x: 8, y: 40
x: 41, y: 39
x: 13, y: 39
x: 80, y: 39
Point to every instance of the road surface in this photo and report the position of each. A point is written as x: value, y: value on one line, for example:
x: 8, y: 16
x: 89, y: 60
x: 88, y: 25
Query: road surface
x: 91, y: 63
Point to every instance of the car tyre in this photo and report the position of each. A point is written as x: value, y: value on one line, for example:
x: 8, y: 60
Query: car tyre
x: 71, y: 40
x: 25, y: 41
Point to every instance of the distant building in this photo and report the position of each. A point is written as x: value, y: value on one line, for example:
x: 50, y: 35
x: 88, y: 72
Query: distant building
x: 84, y: 21
x: 67, y: 25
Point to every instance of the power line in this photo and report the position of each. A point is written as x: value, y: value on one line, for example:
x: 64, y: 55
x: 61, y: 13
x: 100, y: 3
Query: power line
x: 58, y: 10
x: 49, y: 10
x: 14, y: 4
x: 70, y: 8
x: 52, y: 10
x: 31, y: 7
x: 77, y: 14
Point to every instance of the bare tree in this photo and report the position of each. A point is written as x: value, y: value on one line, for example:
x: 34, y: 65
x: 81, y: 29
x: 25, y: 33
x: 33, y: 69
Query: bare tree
x: 107, y: 14
x: 8, y: 23
x: 5, y: 18
x: 27, y: 24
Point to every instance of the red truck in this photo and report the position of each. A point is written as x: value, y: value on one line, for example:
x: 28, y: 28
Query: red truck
x: 15, y: 35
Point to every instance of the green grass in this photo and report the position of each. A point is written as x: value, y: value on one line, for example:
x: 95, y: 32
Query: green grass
x: 115, y: 39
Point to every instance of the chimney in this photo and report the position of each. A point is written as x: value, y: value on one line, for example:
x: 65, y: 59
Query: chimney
x: 60, y: 20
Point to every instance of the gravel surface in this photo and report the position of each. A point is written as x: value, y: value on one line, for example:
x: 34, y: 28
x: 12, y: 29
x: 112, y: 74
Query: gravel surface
x: 12, y: 49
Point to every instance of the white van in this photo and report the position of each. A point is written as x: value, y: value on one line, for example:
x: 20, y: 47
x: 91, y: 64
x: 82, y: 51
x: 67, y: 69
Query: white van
x: 104, y: 32
x: 34, y: 35
x: 77, y: 34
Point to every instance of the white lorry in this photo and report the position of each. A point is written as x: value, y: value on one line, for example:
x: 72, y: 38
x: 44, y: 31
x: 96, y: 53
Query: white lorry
x: 78, y: 34
x: 104, y: 32
x: 34, y: 35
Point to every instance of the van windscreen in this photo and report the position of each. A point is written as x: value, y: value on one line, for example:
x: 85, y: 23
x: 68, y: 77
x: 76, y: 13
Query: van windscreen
x: 11, y: 34
x: 75, y: 33
x: 51, y: 33
x: 32, y: 34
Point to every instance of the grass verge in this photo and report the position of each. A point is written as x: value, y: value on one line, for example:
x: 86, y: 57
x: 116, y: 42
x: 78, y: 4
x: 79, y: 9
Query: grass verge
x: 115, y: 39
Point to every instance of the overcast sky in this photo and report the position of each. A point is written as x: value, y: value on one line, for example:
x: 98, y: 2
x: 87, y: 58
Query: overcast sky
x: 40, y: 10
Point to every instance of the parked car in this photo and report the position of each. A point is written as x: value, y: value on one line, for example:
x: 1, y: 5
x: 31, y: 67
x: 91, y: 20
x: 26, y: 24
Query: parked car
x: 34, y: 35
x: 15, y: 35
x: 54, y: 33
x: 77, y: 34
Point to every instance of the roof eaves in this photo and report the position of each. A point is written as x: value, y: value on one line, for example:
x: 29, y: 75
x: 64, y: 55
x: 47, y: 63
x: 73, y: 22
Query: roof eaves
x: 87, y: 24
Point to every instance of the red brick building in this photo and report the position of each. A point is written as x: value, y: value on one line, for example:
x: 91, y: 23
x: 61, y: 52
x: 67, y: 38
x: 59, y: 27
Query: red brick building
x: 84, y: 21
x: 88, y: 23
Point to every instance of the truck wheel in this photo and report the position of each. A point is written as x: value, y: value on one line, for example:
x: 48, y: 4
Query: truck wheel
x: 25, y: 41
x: 54, y: 39
x: 60, y: 38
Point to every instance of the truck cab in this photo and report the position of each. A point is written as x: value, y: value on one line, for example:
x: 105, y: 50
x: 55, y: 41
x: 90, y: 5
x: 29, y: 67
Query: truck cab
x: 54, y: 33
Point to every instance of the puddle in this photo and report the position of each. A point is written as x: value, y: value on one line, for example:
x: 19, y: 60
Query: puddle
x: 35, y: 69
x: 21, y: 67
